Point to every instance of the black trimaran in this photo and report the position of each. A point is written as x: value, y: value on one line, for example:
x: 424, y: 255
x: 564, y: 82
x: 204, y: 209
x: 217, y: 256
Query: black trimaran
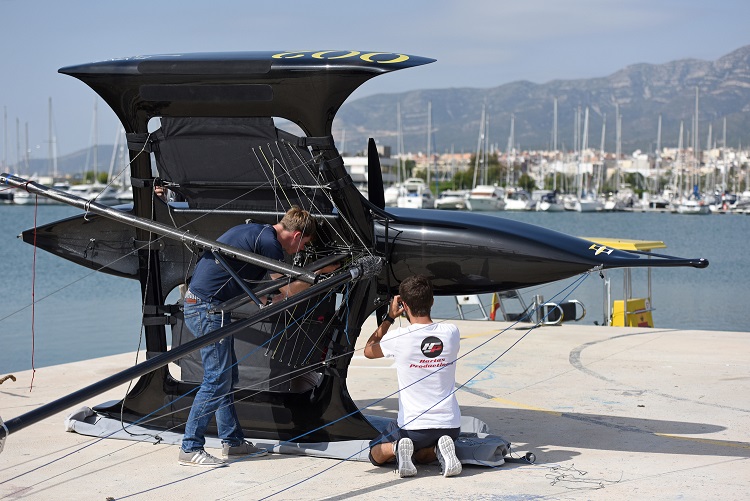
x: 218, y: 150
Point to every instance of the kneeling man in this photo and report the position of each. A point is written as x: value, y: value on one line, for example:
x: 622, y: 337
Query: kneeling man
x: 429, y: 418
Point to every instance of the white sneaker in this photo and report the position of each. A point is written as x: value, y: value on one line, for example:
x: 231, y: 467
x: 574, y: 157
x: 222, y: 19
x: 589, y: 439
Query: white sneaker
x: 404, y: 451
x: 450, y: 466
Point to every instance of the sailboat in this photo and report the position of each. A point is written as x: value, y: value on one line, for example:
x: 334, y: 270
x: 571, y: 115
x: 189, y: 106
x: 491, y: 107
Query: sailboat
x: 693, y: 203
x: 95, y: 191
x: 414, y: 192
x: 483, y: 196
x: 23, y: 197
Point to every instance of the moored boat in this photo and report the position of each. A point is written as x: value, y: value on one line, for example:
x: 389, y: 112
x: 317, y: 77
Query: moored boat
x: 486, y: 198
x: 415, y: 194
x: 451, y: 200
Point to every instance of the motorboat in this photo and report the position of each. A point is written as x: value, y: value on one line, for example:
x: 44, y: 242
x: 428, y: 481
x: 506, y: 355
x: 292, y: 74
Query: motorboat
x: 101, y: 193
x: 415, y: 194
x: 693, y: 206
x: 546, y: 201
x: 518, y: 199
x: 451, y: 200
x: 486, y: 198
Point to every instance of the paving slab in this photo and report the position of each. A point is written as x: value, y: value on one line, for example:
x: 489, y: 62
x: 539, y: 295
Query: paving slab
x: 610, y: 413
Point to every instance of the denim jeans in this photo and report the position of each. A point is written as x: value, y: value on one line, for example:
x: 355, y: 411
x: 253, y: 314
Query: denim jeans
x: 220, y: 373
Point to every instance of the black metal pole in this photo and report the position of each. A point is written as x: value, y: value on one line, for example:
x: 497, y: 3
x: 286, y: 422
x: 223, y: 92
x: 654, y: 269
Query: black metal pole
x: 36, y: 415
x: 273, y: 286
x: 158, y: 228
x: 237, y: 279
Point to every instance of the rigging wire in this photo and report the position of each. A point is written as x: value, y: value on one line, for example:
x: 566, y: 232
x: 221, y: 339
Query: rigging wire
x: 136, y: 249
x: 145, y: 419
x: 436, y: 403
x: 141, y: 333
x: 33, y: 291
x: 579, y: 281
x: 327, y: 193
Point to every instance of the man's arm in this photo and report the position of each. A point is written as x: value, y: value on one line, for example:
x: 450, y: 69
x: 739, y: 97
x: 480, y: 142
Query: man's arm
x: 372, y: 348
x: 298, y: 285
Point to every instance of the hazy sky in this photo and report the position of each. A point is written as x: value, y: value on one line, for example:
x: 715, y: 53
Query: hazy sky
x: 482, y: 44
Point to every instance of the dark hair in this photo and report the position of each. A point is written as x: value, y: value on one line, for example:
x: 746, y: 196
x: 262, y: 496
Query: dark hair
x: 416, y: 291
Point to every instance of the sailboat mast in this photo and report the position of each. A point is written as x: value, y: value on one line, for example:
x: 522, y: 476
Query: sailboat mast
x: 511, y: 151
x: 400, y: 142
x: 429, y: 139
x: 585, y: 144
x: 96, y: 142
x: 480, y: 142
x: 554, y: 145
x: 681, y: 158
x: 26, y: 149
x: 486, y: 154
x: 696, y: 145
x: 602, y: 169
x: 724, y: 156
x: 5, y: 138
x: 658, y: 155
x: 50, y: 146
x: 618, y: 145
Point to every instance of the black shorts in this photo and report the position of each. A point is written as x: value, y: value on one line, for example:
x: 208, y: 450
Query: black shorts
x: 421, y: 438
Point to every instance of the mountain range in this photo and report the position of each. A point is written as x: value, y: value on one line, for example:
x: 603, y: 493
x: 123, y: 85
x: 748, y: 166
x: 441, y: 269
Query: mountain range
x: 641, y: 91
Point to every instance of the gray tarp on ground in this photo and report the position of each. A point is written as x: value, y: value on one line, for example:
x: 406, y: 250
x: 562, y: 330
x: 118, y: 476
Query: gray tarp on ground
x: 474, y: 445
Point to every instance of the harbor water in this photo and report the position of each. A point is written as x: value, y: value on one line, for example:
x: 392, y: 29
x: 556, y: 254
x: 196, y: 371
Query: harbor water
x: 79, y: 314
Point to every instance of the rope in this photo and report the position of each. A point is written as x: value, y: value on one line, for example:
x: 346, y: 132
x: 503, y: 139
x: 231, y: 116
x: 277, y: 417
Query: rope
x: 284, y: 331
x: 33, y: 292
x: 145, y: 419
x: 578, y: 282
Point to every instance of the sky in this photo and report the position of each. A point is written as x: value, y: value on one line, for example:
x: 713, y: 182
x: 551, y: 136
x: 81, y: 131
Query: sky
x: 477, y: 43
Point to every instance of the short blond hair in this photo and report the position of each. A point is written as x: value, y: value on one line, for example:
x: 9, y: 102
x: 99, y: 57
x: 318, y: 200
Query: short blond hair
x: 297, y: 219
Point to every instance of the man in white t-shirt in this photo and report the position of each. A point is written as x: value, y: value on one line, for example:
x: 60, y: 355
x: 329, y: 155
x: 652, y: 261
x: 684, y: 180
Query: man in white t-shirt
x: 429, y: 418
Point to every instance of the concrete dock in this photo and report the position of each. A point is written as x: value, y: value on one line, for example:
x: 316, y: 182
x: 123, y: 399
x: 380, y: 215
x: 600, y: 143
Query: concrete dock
x: 610, y: 413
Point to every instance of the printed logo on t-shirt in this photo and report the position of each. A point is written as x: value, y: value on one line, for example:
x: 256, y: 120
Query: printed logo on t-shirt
x: 432, y: 347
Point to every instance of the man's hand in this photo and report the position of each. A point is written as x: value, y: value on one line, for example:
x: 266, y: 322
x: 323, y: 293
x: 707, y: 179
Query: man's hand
x: 396, y: 309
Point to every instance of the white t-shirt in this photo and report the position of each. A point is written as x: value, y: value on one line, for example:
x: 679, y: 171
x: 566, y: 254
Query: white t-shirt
x: 425, y: 363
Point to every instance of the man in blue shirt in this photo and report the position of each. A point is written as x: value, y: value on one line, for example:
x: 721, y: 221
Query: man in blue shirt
x: 210, y: 286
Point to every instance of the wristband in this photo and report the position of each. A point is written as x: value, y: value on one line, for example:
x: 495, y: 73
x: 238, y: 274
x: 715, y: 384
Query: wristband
x: 388, y: 319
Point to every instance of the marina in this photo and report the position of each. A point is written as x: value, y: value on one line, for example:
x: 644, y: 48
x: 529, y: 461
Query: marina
x: 465, y: 254
x: 704, y: 300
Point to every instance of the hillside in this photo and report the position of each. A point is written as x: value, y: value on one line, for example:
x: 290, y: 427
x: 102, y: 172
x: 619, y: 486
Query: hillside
x: 642, y: 91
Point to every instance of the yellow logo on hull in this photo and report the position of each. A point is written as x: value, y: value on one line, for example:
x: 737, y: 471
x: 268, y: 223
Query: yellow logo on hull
x: 600, y: 248
x: 370, y: 57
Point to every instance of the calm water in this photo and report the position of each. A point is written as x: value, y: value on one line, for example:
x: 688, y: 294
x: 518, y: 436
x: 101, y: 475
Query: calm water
x: 80, y: 314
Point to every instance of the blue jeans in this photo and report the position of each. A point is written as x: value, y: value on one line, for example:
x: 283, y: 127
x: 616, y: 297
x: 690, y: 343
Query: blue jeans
x: 220, y: 373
